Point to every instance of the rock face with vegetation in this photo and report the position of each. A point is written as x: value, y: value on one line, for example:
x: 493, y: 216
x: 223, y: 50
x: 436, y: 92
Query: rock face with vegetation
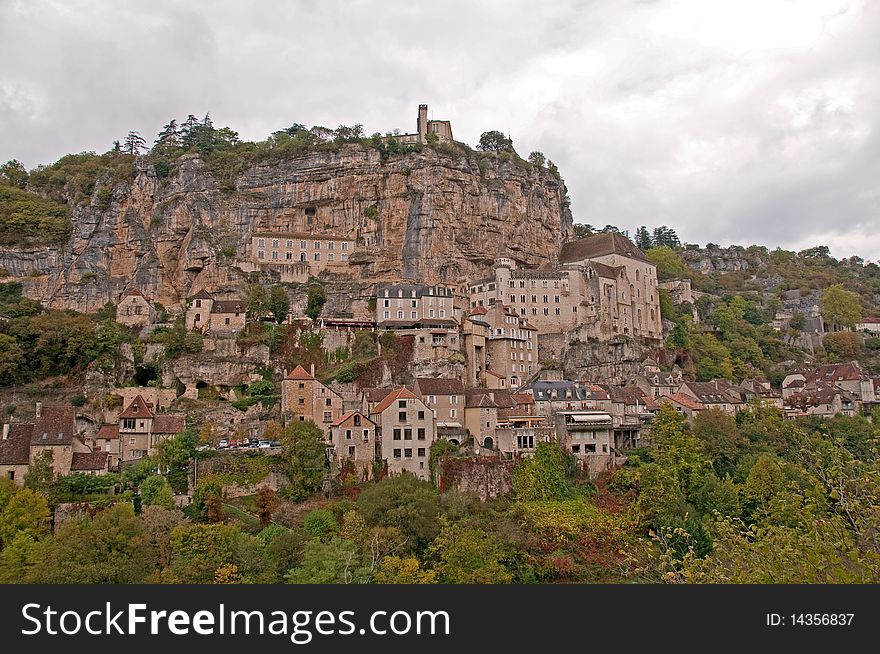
x: 171, y: 226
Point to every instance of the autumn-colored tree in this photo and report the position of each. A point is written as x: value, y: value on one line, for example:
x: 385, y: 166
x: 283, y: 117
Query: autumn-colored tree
x: 841, y: 307
x: 265, y: 503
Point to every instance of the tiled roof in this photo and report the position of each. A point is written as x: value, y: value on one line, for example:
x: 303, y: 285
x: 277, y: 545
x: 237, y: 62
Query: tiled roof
x: 599, y: 245
x: 341, y: 419
x: 16, y: 449
x: 432, y: 386
x: 482, y: 311
x: 299, y: 373
x: 55, y: 426
x: 228, y: 306
x: 89, y: 461
x: 202, y: 295
x: 851, y: 371
x: 401, y: 393
x: 685, y: 400
x: 495, y: 374
x: 137, y: 409
x: 108, y: 432
x: 133, y: 291
x: 373, y: 395
x: 168, y: 424
x: 604, y: 270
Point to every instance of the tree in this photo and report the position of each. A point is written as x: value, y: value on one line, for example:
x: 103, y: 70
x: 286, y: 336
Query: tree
x: 25, y: 512
x: 175, y: 454
x: 543, y: 476
x: 841, y: 307
x: 258, y: 302
x: 199, y: 551
x: 11, y: 360
x: 337, y: 561
x: 14, y: 173
x: 583, y: 231
x: 669, y: 264
x: 720, y: 437
x: 467, y: 555
x: 305, y: 453
x: 405, y: 502
x: 156, y: 491
x: 320, y: 523
x: 315, y: 302
x: 40, y: 474
x: 643, y: 239
x: 111, y: 548
x: 279, y: 304
x: 665, y: 236
x: 265, y: 503
x: 494, y: 141
x: 403, y: 570
x: 537, y: 159
x: 169, y: 136
x: 134, y: 143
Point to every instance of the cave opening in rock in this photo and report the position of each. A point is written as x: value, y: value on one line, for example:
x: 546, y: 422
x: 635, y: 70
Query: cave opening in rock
x: 146, y: 373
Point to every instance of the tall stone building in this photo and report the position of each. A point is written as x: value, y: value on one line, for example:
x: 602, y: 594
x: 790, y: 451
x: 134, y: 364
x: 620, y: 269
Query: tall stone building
x: 305, y: 398
x: 603, y: 283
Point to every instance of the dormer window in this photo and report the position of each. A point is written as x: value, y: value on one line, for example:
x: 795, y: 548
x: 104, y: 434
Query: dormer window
x: 45, y: 435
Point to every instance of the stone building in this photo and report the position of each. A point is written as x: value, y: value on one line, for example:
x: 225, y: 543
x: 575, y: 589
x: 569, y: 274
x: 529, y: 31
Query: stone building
x: 296, y: 256
x: 511, y: 346
x: 424, y: 126
x: 474, y: 334
x: 603, y: 285
x: 305, y: 398
x: 140, y: 430
x: 208, y: 314
x: 353, y: 439
x: 134, y: 309
x: 54, y: 432
x: 446, y: 399
x: 402, y: 306
x: 406, y: 432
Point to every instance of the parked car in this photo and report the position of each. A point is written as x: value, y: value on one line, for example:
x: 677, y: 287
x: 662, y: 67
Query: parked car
x: 233, y: 443
x: 275, y: 443
x: 223, y: 444
x: 253, y: 443
x: 265, y: 445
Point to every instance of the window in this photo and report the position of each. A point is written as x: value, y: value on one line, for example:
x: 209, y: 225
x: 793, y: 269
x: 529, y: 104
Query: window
x: 385, y: 315
x: 357, y: 420
x: 289, y: 256
x: 344, y: 247
x: 407, y: 434
x: 317, y: 245
x: 330, y: 245
x: 348, y: 434
x: 328, y: 416
x: 351, y: 450
x: 401, y: 404
x: 289, y: 243
x: 407, y: 453
x: 302, y: 245
x: 261, y: 242
x: 128, y: 423
x: 260, y: 255
x: 452, y: 413
x: 401, y: 416
x: 317, y: 256
x: 421, y: 415
x: 396, y: 453
x: 396, y: 435
x: 330, y: 257
x: 274, y: 242
x: 302, y: 385
x: 421, y: 452
x: 328, y: 402
x: 302, y: 401
x: 420, y: 434
x: 132, y: 441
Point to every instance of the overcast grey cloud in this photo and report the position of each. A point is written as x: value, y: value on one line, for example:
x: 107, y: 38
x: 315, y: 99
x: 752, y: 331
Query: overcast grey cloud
x: 753, y: 121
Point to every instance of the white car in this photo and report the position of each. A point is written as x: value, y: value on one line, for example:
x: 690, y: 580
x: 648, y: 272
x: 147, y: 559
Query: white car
x: 265, y: 445
x: 223, y: 444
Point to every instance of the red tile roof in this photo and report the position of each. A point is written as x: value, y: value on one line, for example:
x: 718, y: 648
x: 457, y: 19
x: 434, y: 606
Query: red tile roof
x: 599, y: 245
x: 374, y: 395
x: 684, y: 400
x: 228, y: 306
x: 55, y: 426
x: 202, y: 295
x: 348, y: 415
x: 137, y: 409
x: 402, y: 393
x: 89, y: 461
x: 16, y: 449
x: 168, y: 424
x: 108, y: 432
x: 299, y: 373
x: 433, y: 386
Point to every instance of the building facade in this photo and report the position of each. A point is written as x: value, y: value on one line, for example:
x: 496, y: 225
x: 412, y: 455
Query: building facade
x: 305, y: 398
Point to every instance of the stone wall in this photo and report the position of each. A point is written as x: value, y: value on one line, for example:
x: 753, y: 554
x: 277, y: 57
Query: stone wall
x: 484, y: 477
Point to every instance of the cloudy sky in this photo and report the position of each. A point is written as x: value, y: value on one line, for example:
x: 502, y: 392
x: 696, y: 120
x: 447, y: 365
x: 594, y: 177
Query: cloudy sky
x: 755, y: 121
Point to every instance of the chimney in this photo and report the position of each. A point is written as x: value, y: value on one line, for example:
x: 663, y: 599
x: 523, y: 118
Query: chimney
x: 39, y: 410
x: 313, y: 370
x: 5, y: 430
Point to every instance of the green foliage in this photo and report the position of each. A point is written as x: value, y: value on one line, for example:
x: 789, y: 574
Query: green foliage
x: 494, y: 141
x: 305, y: 454
x: 174, y: 455
x: 199, y: 552
x: 279, y: 304
x: 74, y: 177
x: 543, y: 476
x: 537, y: 159
x: 28, y: 219
x: 469, y: 556
x: 840, y: 306
x: 669, y: 264
x: 178, y: 340
x: 24, y: 511
x: 320, y: 523
x: 14, y: 174
x: 405, y: 503
x: 335, y: 562
x: 258, y: 302
x: 156, y: 491
x: 315, y: 301
x: 111, y: 548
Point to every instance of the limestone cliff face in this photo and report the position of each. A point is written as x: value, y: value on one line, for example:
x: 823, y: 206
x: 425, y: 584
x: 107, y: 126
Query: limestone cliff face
x: 426, y: 216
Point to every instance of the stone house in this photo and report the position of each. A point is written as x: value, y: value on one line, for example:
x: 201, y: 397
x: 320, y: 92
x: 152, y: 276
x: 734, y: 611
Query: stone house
x: 684, y: 404
x: 298, y: 255
x: 140, y: 430
x: 441, y: 128
x: 446, y: 399
x: 655, y: 383
x: 353, y: 438
x: 511, y: 346
x: 406, y: 432
x: 53, y: 431
x: 305, y: 398
x: 589, y: 435
x: 206, y: 314
x: 762, y: 390
x: 474, y: 333
x: 716, y: 394
x: 134, y: 309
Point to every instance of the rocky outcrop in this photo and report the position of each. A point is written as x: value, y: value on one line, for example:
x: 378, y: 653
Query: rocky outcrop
x: 427, y: 216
